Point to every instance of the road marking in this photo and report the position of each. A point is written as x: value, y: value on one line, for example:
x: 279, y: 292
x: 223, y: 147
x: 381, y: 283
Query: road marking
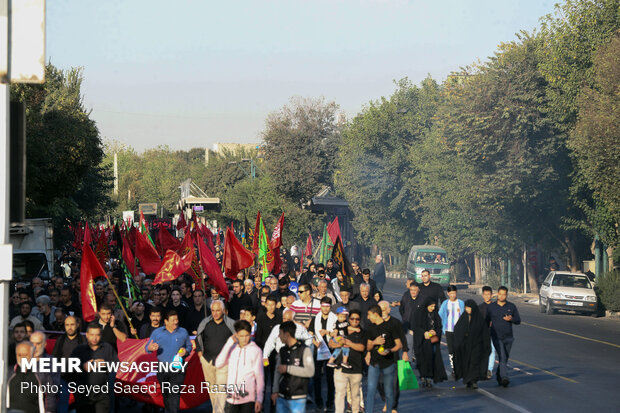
x: 573, y: 335
x: 504, y: 402
x: 545, y: 371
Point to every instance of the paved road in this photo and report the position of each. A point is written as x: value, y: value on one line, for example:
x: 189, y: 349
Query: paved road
x: 560, y: 363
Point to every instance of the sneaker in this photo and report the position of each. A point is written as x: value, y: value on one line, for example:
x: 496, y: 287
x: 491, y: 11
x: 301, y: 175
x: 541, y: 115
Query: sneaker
x: 489, y: 374
x: 474, y: 385
x: 330, y: 364
x: 346, y: 365
x: 505, y: 382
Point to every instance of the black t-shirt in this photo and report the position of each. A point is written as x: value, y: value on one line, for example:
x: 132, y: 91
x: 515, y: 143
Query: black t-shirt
x: 356, y: 358
x: 264, y: 325
x: 386, y: 331
x: 214, y: 337
x: 108, y: 336
x: 85, y: 353
x: 26, y: 401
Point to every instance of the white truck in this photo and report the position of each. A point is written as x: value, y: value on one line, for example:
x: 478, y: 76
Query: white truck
x: 33, y: 249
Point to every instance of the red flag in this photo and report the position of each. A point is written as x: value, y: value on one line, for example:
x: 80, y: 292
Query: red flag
x: 181, y: 223
x: 208, y: 235
x: 212, y: 269
x: 88, y: 238
x: 173, y: 265
x: 89, y: 270
x: 186, y: 247
x: 333, y: 229
x: 129, y: 259
x: 165, y: 241
x: 256, y: 232
x: 147, y: 255
x: 236, y: 257
x: 132, y: 351
x: 101, y: 250
x: 308, y: 250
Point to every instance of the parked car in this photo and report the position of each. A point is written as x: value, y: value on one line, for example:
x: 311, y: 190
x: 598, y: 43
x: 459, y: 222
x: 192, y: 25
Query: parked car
x: 563, y: 290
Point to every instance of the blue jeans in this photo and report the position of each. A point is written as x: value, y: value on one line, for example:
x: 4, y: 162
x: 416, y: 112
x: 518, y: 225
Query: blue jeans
x: 503, y: 346
x: 291, y: 405
x: 343, y: 350
x: 491, y: 357
x: 373, y: 381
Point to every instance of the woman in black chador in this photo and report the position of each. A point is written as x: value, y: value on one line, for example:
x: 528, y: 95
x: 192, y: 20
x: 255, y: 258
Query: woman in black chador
x: 427, y: 343
x: 472, y: 346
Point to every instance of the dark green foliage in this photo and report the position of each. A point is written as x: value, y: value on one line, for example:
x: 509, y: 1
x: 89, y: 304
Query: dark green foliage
x: 609, y: 290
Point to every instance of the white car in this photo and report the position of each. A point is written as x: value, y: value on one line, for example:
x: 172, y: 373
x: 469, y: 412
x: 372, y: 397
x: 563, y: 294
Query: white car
x: 563, y: 290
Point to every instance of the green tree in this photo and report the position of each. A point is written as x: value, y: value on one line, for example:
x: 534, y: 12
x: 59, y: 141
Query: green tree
x: 301, y: 142
x: 596, y: 143
x: 374, y: 171
x: 64, y: 179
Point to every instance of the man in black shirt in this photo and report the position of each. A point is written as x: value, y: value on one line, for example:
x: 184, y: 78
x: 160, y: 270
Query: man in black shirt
x: 431, y: 289
x: 487, y: 294
x: 396, y: 326
x: 26, y: 397
x: 110, y: 329
x: 71, y: 307
x: 265, y: 322
x: 212, y: 334
x: 501, y: 315
x: 356, y: 341
x: 63, y: 348
x: 155, y: 317
x: 383, y: 341
x: 94, y: 351
x: 138, y: 317
x: 238, y: 300
x: 198, y: 311
x: 365, y: 301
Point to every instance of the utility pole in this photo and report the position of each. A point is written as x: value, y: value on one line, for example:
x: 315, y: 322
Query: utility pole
x: 22, y: 60
x: 115, y: 174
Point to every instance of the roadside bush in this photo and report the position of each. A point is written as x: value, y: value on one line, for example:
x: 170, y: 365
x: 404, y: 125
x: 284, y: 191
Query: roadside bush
x: 609, y: 290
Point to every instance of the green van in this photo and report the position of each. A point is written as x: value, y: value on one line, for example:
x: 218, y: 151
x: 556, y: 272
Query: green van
x: 431, y: 258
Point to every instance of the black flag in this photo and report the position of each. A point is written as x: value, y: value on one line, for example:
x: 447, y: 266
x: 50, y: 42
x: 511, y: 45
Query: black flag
x: 341, y: 259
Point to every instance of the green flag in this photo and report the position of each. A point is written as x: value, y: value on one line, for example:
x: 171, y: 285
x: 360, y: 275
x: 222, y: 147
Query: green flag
x: 265, y: 255
x: 325, y: 249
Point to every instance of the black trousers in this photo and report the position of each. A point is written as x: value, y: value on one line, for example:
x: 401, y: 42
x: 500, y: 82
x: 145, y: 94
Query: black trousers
x: 172, y: 400
x: 239, y: 408
x: 320, y: 369
x: 450, y: 342
x: 84, y: 405
x: 269, y: 373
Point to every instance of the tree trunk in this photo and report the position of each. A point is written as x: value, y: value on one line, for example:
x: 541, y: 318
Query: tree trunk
x: 478, y: 270
x: 468, y: 269
x: 572, y: 254
x: 610, y: 254
x: 531, y: 278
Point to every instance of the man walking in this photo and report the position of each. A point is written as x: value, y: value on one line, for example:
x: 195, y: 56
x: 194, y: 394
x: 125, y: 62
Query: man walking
x: 294, y: 368
x: 431, y: 289
x: 487, y: 293
x: 502, y: 314
x: 379, y: 273
x: 167, y: 342
x: 382, y: 343
x: 96, y: 350
x: 211, y: 336
x: 246, y: 378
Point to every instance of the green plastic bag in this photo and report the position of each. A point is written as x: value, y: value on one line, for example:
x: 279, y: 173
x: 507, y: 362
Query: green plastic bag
x: 406, y: 377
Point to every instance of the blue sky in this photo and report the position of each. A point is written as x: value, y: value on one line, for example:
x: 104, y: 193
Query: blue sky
x: 192, y: 73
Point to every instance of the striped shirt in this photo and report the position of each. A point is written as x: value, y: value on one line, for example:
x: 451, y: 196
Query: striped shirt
x: 305, y: 312
x: 454, y: 312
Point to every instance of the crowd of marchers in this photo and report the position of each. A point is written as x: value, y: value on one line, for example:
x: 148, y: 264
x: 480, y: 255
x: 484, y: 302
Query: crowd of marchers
x: 306, y: 338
